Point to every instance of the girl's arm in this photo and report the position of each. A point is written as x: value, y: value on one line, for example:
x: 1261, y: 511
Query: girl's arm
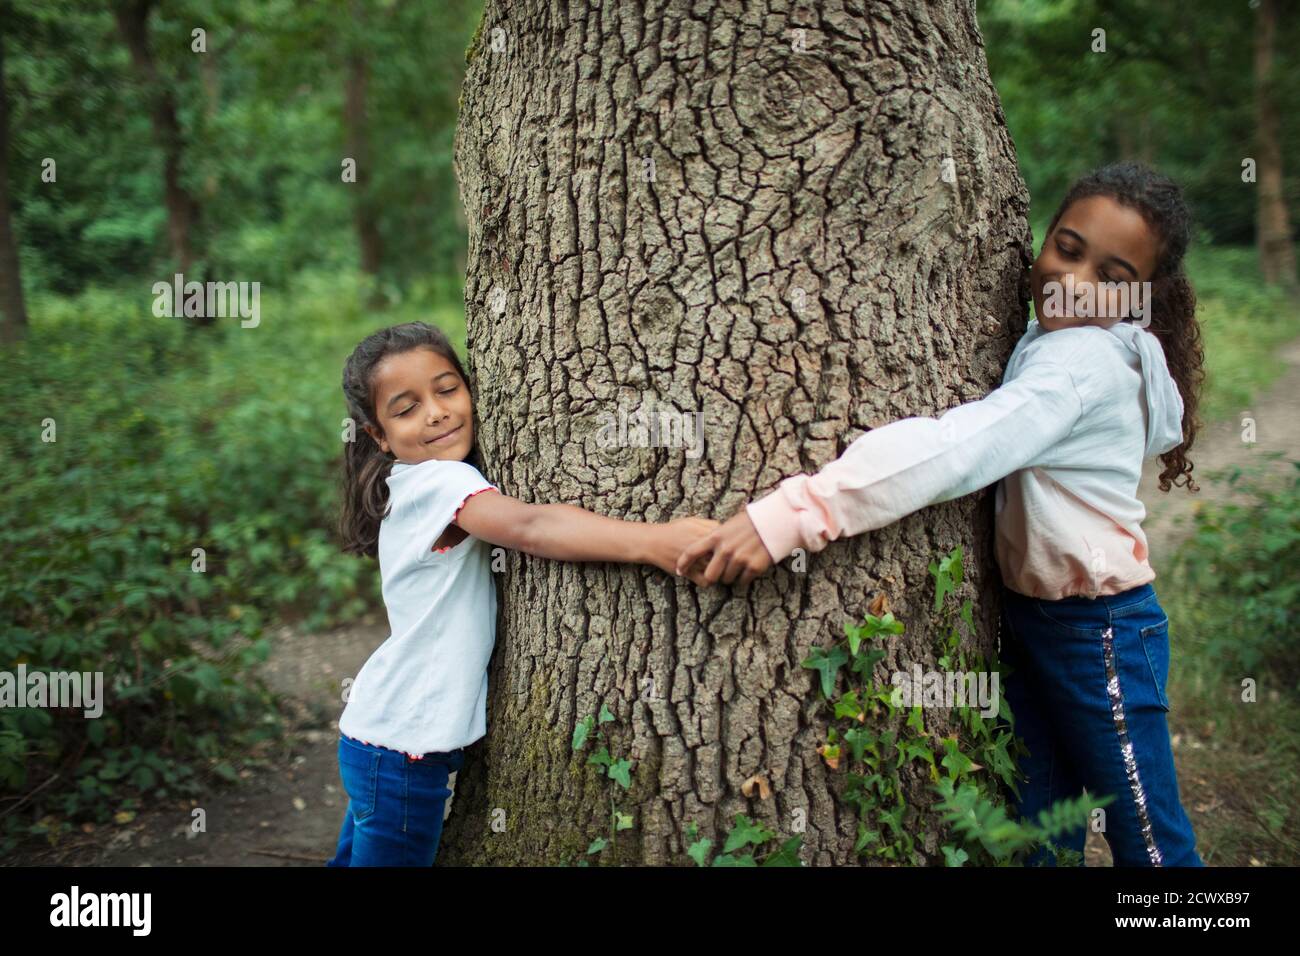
x: 568, y: 533
x: 894, y: 470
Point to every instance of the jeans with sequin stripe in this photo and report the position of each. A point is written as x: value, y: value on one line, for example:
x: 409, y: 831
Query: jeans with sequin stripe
x: 1086, y: 689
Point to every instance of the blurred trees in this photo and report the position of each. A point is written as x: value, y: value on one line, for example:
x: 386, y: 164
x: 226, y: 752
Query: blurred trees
x: 1276, y: 250
x: 140, y: 130
x: 1175, y: 86
x: 255, y: 129
x: 182, y: 208
x: 13, y: 315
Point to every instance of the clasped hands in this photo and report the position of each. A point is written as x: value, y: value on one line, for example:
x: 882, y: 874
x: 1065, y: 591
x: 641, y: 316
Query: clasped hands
x: 708, y: 552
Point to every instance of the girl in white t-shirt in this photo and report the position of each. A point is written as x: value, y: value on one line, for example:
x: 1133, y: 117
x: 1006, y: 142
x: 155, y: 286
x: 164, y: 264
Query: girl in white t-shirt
x: 412, y: 498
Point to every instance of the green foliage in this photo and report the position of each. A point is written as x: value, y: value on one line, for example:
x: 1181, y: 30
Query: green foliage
x: 261, y: 117
x: 1166, y: 63
x: 1234, y: 684
x: 1238, y: 576
x: 744, y: 835
x: 617, y: 769
x: 166, y: 440
x: 1244, y: 324
x: 880, y: 741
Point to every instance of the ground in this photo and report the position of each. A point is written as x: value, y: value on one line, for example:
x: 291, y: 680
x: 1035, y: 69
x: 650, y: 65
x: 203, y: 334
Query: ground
x: 291, y: 817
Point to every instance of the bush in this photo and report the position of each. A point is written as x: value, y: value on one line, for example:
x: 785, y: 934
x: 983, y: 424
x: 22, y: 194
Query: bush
x: 133, y: 442
x: 1238, y: 576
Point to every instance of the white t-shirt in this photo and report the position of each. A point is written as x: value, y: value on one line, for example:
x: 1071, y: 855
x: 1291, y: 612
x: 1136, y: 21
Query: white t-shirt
x: 425, y: 688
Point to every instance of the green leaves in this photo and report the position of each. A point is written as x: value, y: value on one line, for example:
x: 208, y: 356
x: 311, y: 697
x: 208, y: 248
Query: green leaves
x: 697, y: 849
x: 871, y: 627
x: 827, y: 664
x: 580, y: 732
x: 620, y: 771
x: 879, y: 742
x: 744, y: 833
x: 947, y: 574
x: 954, y: 761
x: 617, y: 769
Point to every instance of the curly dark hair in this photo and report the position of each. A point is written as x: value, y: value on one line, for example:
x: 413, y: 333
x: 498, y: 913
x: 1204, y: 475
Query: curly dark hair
x: 1160, y: 202
x: 366, y: 466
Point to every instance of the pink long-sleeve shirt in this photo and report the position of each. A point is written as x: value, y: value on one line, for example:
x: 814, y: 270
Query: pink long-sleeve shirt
x: 1066, y: 433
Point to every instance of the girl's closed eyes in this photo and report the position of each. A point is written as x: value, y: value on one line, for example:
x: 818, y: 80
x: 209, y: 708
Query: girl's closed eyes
x: 1096, y: 240
x: 423, y: 408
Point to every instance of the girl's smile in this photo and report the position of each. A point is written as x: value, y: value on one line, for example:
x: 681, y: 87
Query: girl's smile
x: 1096, y: 240
x: 423, y: 408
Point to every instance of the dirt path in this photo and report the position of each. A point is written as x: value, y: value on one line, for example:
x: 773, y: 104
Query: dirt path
x: 290, y: 816
x: 1277, y: 428
x: 286, y: 816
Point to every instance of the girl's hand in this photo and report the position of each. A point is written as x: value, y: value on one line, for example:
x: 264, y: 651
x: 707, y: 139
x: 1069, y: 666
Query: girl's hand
x: 738, y: 552
x: 666, y: 541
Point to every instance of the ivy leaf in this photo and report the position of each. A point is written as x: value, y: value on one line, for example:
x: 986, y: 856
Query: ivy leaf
x: 831, y: 754
x: 942, y: 586
x: 956, y: 762
x: 620, y: 770
x: 909, y: 750
x: 605, y: 715
x: 597, y: 845
x: 854, y: 634
x: 947, y: 573
x: 859, y: 739
x: 745, y: 832
x: 788, y: 855
x: 828, y: 664
x: 622, y: 821
x: 848, y: 706
x: 864, y: 664
x: 955, y: 857
x: 600, y: 758
x: 1000, y: 760
x: 726, y: 860
x: 916, y: 722
x: 887, y: 624
x: 699, y: 852
x: 580, y: 732
x: 866, y: 837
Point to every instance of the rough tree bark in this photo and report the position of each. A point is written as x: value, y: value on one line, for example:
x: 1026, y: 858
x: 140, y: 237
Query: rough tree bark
x: 802, y: 223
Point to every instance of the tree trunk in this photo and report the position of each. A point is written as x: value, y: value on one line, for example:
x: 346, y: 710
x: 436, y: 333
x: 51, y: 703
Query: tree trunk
x: 803, y: 224
x: 182, y: 209
x: 1273, y: 226
x: 13, y: 314
x: 358, y: 146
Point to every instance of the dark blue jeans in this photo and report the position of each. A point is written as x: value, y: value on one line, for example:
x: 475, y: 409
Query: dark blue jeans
x: 1088, y: 698
x: 395, y: 805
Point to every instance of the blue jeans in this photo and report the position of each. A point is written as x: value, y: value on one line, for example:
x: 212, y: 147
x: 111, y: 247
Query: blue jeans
x: 1088, y: 698
x: 395, y: 804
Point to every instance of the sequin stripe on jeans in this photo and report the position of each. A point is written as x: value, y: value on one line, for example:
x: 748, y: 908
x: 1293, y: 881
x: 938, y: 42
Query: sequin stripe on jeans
x: 1116, y: 696
x: 1086, y: 688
